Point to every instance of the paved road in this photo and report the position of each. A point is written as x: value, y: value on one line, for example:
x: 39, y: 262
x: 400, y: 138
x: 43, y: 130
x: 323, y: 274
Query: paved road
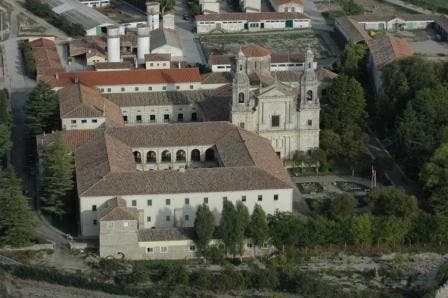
x: 19, y: 87
x: 325, y: 31
x: 190, y: 43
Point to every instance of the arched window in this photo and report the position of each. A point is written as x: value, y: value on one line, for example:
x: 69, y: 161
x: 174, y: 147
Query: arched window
x: 166, y: 156
x: 309, y: 95
x: 180, y: 155
x: 151, y: 157
x: 137, y: 157
x: 210, y: 154
x: 241, y: 97
x: 195, y: 155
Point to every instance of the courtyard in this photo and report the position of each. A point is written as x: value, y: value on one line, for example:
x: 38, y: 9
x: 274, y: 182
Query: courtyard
x: 286, y: 41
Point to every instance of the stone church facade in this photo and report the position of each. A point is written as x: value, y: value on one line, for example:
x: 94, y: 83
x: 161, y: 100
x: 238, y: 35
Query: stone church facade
x: 285, y: 114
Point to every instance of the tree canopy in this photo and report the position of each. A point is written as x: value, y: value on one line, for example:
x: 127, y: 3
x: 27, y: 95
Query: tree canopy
x: 392, y: 201
x: 17, y: 223
x: 58, y: 175
x: 204, y: 226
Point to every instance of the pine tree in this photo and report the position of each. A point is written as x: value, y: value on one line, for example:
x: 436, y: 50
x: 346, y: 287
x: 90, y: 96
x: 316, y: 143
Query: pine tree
x: 204, y: 226
x: 17, y: 223
x: 57, y: 183
x: 42, y: 110
x: 258, y: 229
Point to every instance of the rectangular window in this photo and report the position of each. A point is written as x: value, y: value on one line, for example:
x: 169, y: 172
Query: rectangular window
x: 177, y: 87
x: 164, y: 88
x: 148, y: 218
x: 168, y: 202
x: 224, y: 198
x: 149, y: 202
x: 243, y: 198
x: 73, y: 121
x: 205, y: 200
x: 249, y: 245
x: 275, y: 197
x: 180, y: 117
x: 122, y: 89
x: 125, y: 119
x: 310, y: 122
x: 164, y: 249
x: 275, y: 121
x: 93, y: 207
x: 194, y: 116
x: 83, y: 121
x: 138, y: 118
x: 260, y: 198
x: 168, y: 218
x: 242, y: 124
x: 191, y: 87
x: 94, y: 121
x: 150, y: 250
x: 109, y: 90
x: 192, y: 248
x: 102, y: 89
x: 149, y: 88
x: 151, y: 64
x: 166, y: 118
x: 95, y: 222
x: 134, y: 203
x: 187, y: 201
x: 187, y: 217
x: 136, y: 89
x: 152, y: 118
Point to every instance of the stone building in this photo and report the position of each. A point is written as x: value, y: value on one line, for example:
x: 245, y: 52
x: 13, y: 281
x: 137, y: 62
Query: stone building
x: 287, y: 115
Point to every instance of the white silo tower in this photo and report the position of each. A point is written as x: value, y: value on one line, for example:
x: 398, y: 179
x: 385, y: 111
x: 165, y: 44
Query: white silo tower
x: 143, y: 43
x: 153, y: 11
x: 113, y: 44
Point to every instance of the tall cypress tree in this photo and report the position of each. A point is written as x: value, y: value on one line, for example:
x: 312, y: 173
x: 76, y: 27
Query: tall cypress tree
x: 17, y: 223
x: 227, y: 226
x: 241, y: 224
x: 204, y: 226
x: 57, y: 182
x: 258, y: 229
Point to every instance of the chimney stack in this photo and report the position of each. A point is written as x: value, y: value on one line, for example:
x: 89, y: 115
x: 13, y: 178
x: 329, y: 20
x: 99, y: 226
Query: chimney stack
x: 113, y: 44
x: 153, y: 11
x: 143, y: 43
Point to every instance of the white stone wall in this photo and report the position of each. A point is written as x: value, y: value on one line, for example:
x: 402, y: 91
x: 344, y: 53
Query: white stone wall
x: 159, y: 111
x: 251, y: 6
x: 228, y: 26
x: 176, y: 53
x: 96, y: 3
x: 157, y: 64
x: 212, y: 6
x: 221, y: 67
x: 290, y: 7
x: 286, y: 66
x: 135, y: 88
x: 177, y: 208
x: 82, y: 123
x: 94, y: 59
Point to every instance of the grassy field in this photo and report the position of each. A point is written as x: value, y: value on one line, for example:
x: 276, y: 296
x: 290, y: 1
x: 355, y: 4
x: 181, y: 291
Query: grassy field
x: 294, y: 41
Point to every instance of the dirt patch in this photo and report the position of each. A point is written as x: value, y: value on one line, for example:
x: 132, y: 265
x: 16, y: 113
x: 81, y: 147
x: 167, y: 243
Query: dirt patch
x: 27, y: 288
x: 276, y: 41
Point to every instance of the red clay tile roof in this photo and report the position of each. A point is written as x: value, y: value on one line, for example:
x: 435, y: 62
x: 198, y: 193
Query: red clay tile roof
x: 221, y: 59
x: 105, y: 163
x: 254, y: 50
x: 286, y: 57
x: 130, y: 77
x: 78, y: 101
x: 241, y: 16
x: 116, y: 209
x: 46, y: 58
x: 387, y: 49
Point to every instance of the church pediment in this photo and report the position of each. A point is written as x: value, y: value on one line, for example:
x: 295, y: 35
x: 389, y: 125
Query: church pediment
x: 276, y: 91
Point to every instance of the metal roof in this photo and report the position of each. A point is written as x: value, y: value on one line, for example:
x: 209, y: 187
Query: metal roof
x: 76, y: 12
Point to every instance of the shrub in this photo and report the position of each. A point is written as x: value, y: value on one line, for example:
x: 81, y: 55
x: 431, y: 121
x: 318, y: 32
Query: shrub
x: 229, y: 279
x: 201, y: 279
x: 28, y: 59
